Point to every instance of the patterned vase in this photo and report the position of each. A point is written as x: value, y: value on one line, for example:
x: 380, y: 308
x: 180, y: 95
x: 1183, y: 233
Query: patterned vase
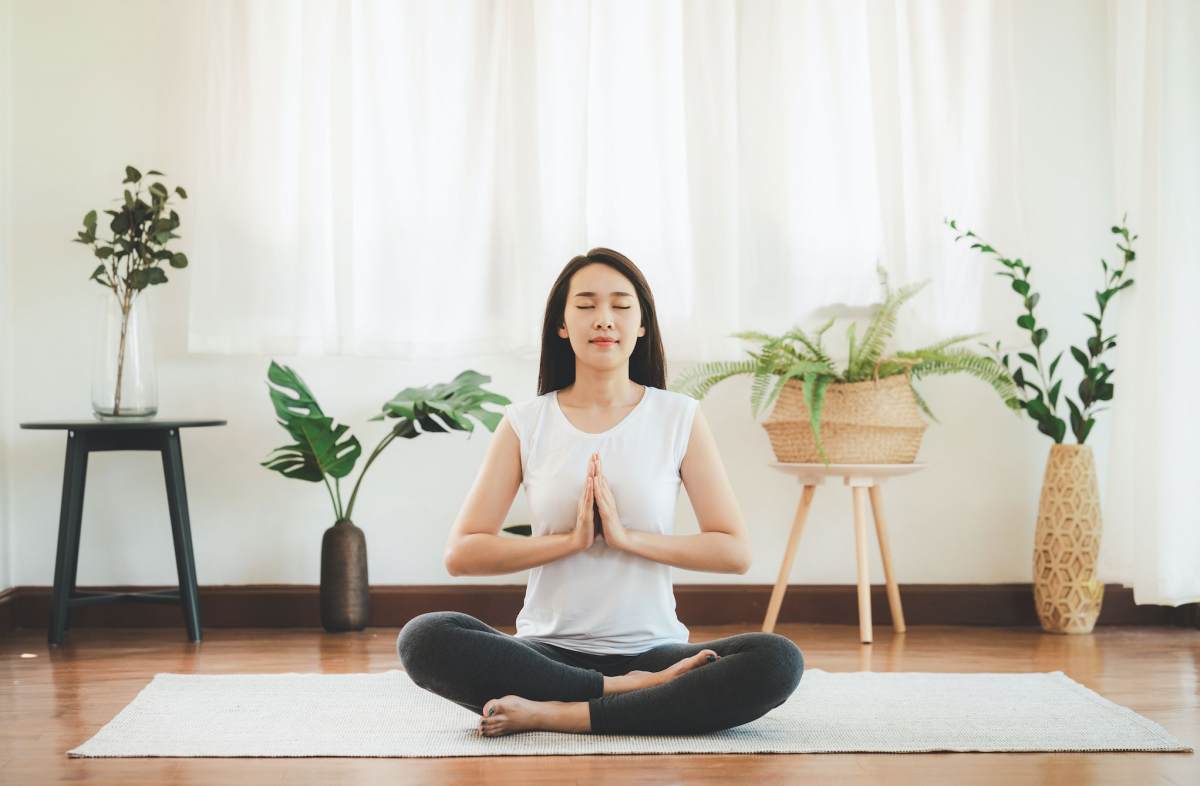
x: 1067, y: 542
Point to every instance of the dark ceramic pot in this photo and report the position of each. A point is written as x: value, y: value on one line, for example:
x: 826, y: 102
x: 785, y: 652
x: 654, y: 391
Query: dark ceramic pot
x: 345, y: 593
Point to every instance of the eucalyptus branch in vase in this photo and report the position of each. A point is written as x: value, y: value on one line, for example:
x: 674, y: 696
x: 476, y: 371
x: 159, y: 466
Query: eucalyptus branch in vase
x: 140, y: 236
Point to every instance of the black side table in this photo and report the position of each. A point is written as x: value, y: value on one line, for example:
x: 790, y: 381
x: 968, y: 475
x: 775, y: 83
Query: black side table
x: 87, y: 436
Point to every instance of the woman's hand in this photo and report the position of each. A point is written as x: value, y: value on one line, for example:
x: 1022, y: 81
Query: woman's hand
x: 615, y: 533
x: 584, y: 533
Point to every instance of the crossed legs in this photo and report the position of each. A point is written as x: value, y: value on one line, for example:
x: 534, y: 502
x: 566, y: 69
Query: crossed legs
x: 517, y: 684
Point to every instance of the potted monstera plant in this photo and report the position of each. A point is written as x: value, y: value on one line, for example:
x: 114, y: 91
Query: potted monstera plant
x: 865, y: 413
x: 323, y: 451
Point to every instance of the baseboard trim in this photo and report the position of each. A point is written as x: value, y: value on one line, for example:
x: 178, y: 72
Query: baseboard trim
x: 298, y: 606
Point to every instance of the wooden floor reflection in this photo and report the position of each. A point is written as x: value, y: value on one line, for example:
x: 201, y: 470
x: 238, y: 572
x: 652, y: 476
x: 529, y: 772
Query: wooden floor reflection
x: 59, y: 699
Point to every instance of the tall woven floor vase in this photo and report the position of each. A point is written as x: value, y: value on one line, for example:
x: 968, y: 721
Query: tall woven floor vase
x: 1067, y: 542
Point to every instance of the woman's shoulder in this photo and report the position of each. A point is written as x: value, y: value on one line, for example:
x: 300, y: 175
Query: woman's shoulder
x: 521, y: 414
x: 673, y: 399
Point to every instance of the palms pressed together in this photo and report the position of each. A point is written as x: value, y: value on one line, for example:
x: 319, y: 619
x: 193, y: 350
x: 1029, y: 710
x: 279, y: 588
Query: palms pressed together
x: 511, y: 714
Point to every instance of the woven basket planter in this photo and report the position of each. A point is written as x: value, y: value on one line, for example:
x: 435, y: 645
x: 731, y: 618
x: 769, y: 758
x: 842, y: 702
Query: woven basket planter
x: 1067, y: 542
x: 872, y: 422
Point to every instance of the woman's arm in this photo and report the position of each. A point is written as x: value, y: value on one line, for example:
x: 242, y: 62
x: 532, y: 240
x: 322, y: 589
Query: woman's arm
x: 723, y: 545
x: 475, y: 547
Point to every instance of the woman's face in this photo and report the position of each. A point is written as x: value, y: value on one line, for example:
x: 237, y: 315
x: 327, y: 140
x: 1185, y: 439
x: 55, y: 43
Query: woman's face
x: 602, y: 302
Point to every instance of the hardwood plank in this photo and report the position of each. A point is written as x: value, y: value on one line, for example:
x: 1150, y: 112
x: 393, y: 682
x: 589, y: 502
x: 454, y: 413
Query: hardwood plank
x: 59, y: 699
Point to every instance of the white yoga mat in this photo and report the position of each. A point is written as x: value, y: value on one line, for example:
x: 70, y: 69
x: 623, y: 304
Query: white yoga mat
x: 388, y: 715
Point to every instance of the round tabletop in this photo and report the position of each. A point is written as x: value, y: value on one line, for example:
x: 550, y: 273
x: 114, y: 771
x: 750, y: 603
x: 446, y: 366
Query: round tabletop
x: 100, y: 425
x: 847, y: 470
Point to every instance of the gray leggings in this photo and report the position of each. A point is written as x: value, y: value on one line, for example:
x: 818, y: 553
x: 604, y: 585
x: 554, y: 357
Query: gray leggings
x: 470, y: 663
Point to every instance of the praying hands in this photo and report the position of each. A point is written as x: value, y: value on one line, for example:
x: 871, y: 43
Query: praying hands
x: 615, y: 534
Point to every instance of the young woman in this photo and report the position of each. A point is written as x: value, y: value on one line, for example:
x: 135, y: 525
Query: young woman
x: 601, y: 453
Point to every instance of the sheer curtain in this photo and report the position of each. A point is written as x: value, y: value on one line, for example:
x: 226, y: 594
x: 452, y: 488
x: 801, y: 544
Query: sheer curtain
x: 1151, y: 521
x: 407, y: 179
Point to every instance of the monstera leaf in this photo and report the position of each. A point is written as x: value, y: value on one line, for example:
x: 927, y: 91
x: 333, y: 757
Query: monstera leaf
x: 451, y: 402
x: 317, y: 451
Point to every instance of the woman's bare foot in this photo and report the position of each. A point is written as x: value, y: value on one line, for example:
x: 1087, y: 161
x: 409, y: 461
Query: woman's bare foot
x: 637, y: 680
x: 512, y: 714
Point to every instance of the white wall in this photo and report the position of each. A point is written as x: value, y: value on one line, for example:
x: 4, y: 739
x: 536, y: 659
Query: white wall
x: 968, y: 518
x: 6, y: 387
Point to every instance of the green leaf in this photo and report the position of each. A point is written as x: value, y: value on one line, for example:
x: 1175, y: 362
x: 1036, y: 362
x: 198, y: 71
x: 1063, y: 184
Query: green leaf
x: 155, y: 172
x: 89, y: 221
x: 179, y: 190
x: 317, y: 451
x: 179, y: 260
x: 1038, y: 409
x: 814, y: 396
x: 452, y: 402
x: 1032, y: 300
x: 139, y: 279
x: 158, y: 190
x: 1055, y: 363
x: 1026, y: 321
x: 97, y: 272
x: 157, y: 276
x: 104, y: 252
x: 1028, y: 358
x: 1081, y: 358
x: 1039, y: 336
x: 1020, y: 286
x: 128, y: 199
x: 131, y: 175
x: 291, y: 408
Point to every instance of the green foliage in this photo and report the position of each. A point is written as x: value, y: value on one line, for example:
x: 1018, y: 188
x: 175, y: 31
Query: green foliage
x: 323, y: 450
x: 796, y: 355
x: 141, y: 233
x: 1042, y: 406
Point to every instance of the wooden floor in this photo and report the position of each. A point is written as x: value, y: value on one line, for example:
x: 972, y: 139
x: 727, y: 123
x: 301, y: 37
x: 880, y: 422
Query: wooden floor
x: 58, y: 700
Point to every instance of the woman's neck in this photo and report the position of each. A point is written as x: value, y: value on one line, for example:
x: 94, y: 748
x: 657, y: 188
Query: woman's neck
x: 596, y: 392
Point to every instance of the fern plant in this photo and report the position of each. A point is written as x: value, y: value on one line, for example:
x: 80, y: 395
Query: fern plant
x: 797, y: 355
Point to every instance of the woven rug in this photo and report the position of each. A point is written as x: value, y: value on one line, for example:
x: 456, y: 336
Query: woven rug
x: 388, y: 715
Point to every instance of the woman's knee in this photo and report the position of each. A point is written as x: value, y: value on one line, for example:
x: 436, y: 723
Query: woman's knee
x: 787, y: 663
x: 419, y: 637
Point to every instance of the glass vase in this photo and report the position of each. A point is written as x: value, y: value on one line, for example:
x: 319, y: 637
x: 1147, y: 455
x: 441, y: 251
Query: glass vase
x: 124, y: 381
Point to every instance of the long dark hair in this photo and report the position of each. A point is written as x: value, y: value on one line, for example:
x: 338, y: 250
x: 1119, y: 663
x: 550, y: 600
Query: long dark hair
x: 647, y: 364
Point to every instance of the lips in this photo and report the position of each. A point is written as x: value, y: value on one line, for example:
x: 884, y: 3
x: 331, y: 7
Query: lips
x: 603, y: 342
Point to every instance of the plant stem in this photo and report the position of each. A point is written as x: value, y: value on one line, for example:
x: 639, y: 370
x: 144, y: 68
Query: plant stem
x: 336, y: 510
x: 125, y: 308
x: 379, y: 449
x: 337, y: 483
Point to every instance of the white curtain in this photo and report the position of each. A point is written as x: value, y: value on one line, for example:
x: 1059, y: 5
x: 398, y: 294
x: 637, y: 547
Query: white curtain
x: 406, y: 179
x: 1152, y: 522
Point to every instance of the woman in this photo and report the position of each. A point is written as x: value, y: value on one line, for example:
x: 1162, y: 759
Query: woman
x: 601, y: 453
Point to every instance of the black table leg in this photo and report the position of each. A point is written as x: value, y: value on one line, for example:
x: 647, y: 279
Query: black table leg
x: 181, y: 529
x: 70, y: 517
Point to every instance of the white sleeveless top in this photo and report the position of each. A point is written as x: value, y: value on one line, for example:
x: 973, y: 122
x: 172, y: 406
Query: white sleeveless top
x: 603, y: 600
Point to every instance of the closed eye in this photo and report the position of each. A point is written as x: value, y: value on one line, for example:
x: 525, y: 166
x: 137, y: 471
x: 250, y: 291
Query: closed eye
x: 581, y: 307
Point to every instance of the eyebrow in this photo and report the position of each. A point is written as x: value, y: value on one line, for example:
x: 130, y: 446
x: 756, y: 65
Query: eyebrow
x: 593, y: 294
